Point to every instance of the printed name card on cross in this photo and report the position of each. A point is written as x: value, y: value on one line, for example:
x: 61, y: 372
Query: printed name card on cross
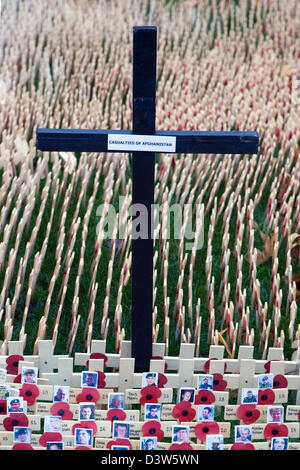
x: 143, y: 141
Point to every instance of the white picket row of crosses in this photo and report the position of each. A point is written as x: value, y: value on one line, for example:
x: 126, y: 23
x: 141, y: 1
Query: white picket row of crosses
x: 240, y: 373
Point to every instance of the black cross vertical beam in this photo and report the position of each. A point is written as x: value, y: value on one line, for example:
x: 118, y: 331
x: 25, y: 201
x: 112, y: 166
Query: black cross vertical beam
x: 143, y: 164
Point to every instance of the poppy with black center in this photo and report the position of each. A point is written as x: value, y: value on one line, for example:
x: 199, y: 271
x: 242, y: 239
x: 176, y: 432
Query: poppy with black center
x: 183, y: 411
x: 15, y: 419
x: 275, y: 430
x: 153, y: 428
x: 61, y: 409
x: 279, y: 381
x: 149, y: 394
x: 203, y: 429
x: 205, y: 396
x: 3, y: 407
x: 266, y: 397
x: 248, y: 413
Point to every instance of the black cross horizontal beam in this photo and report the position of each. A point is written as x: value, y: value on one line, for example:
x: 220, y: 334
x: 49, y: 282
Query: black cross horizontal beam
x: 197, y: 142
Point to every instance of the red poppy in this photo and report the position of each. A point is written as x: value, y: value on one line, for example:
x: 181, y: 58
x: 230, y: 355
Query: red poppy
x: 241, y: 446
x: 279, y: 381
x: 13, y: 363
x: 115, y: 415
x: 248, y: 413
x: 153, y: 429
x: 101, y: 379
x: 218, y: 383
x: 88, y: 394
x: 207, y: 364
x: 15, y: 419
x: 183, y: 446
x: 88, y: 424
x: 3, y: 407
x: 22, y: 447
x: 98, y: 356
x: 29, y: 392
x: 275, y: 430
x: 50, y: 437
x: 162, y: 380
x: 266, y: 396
x: 61, y: 409
x: 204, y: 428
x: 204, y: 397
x: 150, y: 394
x: 17, y: 379
x: 82, y: 448
x: 184, y: 411
x: 119, y: 442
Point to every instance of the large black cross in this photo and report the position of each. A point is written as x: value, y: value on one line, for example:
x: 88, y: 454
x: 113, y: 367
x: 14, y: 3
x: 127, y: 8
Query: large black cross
x: 143, y: 163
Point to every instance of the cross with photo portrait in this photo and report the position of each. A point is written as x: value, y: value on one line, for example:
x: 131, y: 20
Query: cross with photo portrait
x: 206, y: 412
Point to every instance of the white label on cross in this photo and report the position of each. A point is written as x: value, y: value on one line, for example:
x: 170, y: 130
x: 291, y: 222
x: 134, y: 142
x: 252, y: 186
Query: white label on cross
x: 141, y: 143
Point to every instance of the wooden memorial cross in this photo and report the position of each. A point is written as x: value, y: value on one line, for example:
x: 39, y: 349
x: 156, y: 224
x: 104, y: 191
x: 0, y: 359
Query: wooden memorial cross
x: 143, y: 141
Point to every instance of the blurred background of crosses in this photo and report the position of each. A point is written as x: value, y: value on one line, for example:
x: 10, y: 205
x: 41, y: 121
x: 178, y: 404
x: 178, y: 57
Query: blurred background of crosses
x: 221, y: 66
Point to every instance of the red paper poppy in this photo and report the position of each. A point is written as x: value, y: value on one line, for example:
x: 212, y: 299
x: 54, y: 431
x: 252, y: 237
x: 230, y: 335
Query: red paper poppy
x: 61, y: 409
x: 13, y: 363
x: 218, y: 383
x: 98, y: 356
x: 162, y: 380
x: 119, y: 442
x: 29, y: 392
x: 17, y: 379
x: 152, y: 429
x: 203, y: 429
x: 248, y: 413
x: 22, y: 447
x: 82, y: 448
x: 88, y: 394
x: 279, y: 381
x: 204, y: 397
x: 115, y: 415
x: 183, y: 411
x: 88, y: 424
x: 275, y: 430
x: 15, y: 419
x: 241, y: 446
x: 266, y: 396
x: 3, y: 407
x: 183, y: 446
x: 150, y: 394
x: 207, y: 364
x: 101, y: 379
x: 50, y: 437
